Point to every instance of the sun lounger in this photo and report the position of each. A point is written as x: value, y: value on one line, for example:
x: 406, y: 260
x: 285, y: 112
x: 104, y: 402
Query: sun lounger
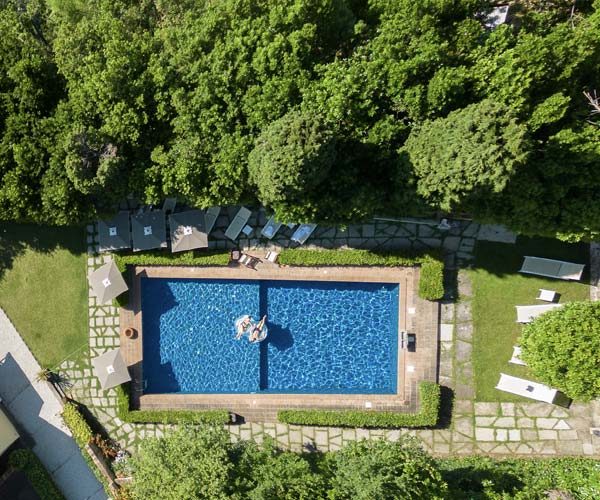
x: 526, y: 388
x: 303, y: 233
x: 516, y: 357
x: 249, y: 261
x: 238, y: 223
x: 526, y: 314
x: 210, y: 218
x: 552, y: 268
x: 271, y: 228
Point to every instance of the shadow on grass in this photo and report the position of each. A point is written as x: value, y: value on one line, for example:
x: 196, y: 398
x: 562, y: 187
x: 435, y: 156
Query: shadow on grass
x: 15, y: 239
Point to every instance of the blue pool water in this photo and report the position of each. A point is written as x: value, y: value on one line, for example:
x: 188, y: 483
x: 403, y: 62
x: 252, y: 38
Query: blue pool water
x: 324, y: 337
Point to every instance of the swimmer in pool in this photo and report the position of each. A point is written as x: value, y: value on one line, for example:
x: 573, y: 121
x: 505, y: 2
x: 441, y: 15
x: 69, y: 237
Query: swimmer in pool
x: 254, y: 336
x: 245, y: 325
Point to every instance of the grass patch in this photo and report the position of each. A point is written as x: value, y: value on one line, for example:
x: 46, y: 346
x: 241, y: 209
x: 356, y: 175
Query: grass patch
x: 43, y: 288
x: 427, y: 416
x: 28, y: 462
x: 497, y: 289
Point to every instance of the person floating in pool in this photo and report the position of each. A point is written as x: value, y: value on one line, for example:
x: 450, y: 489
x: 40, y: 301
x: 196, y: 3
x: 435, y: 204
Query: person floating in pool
x: 244, y: 326
x: 257, y: 334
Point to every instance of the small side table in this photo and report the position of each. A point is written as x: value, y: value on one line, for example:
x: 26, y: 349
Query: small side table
x: 247, y: 230
x: 547, y: 295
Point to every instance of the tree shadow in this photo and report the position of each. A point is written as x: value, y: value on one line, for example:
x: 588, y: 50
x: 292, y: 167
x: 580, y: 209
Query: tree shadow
x: 475, y: 482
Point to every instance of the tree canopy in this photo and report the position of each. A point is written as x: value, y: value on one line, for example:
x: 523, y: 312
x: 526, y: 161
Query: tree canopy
x: 562, y: 349
x: 103, y: 98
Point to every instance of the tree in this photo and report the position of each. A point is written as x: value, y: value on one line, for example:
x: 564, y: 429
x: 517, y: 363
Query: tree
x: 562, y: 349
x: 468, y: 155
x: 190, y: 463
x: 365, y: 470
x: 290, y: 161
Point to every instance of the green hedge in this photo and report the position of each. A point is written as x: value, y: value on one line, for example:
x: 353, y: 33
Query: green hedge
x: 431, y: 283
x: 82, y: 433
x: 27, y: 461
x: 192, y: 258
x: 426, y: 417
x: 214, y: 417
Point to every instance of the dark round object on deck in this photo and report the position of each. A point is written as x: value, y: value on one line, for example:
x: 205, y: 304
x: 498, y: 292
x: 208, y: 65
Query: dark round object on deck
x: 130, y: 332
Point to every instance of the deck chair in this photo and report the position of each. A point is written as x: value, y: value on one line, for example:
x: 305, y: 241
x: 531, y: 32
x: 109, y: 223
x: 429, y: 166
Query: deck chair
x: 272, y: 256
x: 249, y: 261
x: 237, y: 224
x: 552, y: 268
x: 303, y: 233
x: 271, y: 228
x: 210, y: 218
x: 234, y: 256
x: 526, y: 388
x: 526, y: 314
x: 516, y: 357
x: 169, y: 205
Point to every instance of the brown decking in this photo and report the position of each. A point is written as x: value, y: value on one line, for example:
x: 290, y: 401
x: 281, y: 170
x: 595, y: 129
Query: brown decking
x: 422, y: 364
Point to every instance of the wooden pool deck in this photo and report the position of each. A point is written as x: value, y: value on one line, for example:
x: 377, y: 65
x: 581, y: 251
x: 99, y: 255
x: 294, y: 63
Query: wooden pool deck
x: 415, y: 315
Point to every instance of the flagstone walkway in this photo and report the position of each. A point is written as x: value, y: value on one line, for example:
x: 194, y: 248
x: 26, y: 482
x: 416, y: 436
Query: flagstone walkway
x: 489, y: 428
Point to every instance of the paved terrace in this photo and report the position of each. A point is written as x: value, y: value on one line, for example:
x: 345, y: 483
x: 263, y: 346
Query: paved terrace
x: 491, y: 428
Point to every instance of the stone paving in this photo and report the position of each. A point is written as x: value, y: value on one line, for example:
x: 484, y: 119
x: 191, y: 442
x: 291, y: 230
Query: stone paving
x: 488, y: 428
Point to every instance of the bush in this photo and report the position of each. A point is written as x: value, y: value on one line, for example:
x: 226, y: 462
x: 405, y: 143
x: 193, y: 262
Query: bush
x: 213, y: 417
x: 431, y: 284
x: 82, y: 433
x: 28, y: 462
x: 192, y: 258
x: 560, y: 345
x: 426, y: 417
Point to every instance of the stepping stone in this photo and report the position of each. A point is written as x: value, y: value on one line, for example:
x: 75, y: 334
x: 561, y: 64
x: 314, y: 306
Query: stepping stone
x: 446, y: 332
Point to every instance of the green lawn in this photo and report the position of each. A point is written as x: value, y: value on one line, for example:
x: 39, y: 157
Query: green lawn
x: 497, y: 289
x: 43, y: 288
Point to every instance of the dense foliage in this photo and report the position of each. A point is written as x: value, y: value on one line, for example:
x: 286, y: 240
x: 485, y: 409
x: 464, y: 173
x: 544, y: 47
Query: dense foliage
x: 125, y: 414
x: 82, y: 433
x: 562, y: 349
x: 197, y: 463
x: 431, y: 281
x: 427, y: 415
x: 326, y: 110
x: 27, y: 461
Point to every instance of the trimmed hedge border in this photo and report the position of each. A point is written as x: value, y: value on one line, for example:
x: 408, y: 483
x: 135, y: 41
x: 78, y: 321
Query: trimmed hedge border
x: 192, y: 258
x: 27, y: 461
x: 431, y: 283
x: 82, y: 432
x: 426, y: 417
x: 212, y: 417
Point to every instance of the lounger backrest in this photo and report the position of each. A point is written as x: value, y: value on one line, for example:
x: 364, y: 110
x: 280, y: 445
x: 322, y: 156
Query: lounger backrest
x: 238, y: 222
x: 303, y: 233
x: 271, y: 228
x: 210, y: 218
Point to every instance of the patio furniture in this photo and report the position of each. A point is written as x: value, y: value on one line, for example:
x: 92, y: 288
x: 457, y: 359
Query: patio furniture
x: 547, y: 295
x: 527, y: 388
x: 149, y: 230
x: 187, y: 231
x: 247, y: 230
x: 303, y: 233
x: 291, y: 225
x: 107, y: 282
x: 169, y: 205
x: 516, y: 357
x: 552, y: 268
x: 234, y: 256
x: 210, y: 218
x: 272, y: 256
x: 526, y: 314
x: 114, y: 234
x: 249, y: 261
x: 271, y: 228
x: 237, y: 224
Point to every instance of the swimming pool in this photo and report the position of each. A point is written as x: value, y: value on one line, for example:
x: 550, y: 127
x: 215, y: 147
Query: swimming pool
x: 324, y: 337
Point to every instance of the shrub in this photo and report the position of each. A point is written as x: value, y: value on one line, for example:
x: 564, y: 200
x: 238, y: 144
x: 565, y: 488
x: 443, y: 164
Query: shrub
x: 192, y: 258
x: 27, y: 461
x: 560, y: 348
x: 82, y: 433
x: 431, y: 284
x: 426, y: 417
x: 213, y: 417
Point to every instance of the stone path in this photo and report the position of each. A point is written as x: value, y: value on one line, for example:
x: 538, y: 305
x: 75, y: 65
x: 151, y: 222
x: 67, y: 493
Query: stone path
x: 37, y: 410
x: 488, y: 428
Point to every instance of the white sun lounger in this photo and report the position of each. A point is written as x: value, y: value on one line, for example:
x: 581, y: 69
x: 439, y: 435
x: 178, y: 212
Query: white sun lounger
x: 303, y: 233
x: 516, y: 357
x: 237, y: 224
x: 526, y: 388
x: 552, y: 268
x: 526, y: 314
x: 271, y: 228
x: 210, y: 218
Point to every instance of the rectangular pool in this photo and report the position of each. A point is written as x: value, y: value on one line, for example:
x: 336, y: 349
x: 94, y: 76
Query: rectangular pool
x: 323, y: 337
